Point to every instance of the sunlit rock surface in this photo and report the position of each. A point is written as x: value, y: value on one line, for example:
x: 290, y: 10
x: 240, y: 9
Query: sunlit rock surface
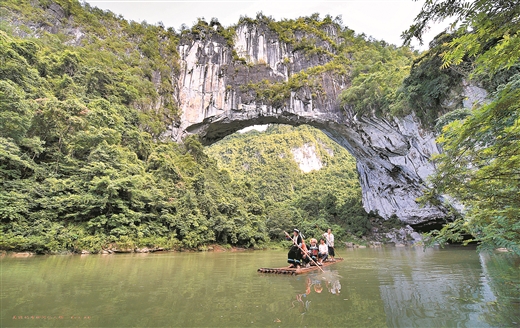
x: 392, y: 155
x: 307, y: 158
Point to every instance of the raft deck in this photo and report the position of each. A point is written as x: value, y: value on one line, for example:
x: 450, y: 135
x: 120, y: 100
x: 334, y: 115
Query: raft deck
x: 294, y: 271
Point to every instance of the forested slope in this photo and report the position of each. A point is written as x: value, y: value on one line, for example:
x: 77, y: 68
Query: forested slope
x: 85, y: 97
x: 329, y: 196
x: 80, y: 163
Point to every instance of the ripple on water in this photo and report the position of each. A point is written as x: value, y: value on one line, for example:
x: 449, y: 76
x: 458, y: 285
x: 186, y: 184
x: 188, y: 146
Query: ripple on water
x: 397, y: 287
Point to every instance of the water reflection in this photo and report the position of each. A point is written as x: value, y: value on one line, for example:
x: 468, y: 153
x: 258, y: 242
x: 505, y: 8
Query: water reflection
x: 501, y: 272
x: 420, y: 290
x: 314, y: 285
x: 388, y: 287
x: 334, y: 286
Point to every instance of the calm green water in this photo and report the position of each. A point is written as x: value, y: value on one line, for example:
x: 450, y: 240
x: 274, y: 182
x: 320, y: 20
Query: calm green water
x: 388, y: 287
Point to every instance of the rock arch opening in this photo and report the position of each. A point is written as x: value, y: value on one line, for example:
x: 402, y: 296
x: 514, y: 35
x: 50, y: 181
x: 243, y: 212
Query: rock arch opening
x: 392, y: 156
x: 220, y: 95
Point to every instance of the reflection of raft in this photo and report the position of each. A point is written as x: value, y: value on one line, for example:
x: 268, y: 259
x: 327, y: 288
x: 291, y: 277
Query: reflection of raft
x: 293, y: 271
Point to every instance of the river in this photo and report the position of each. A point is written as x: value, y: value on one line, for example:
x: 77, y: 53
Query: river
x: 381, y: 287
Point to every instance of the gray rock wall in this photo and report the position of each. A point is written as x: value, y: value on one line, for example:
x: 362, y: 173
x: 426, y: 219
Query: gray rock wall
x: 392, y: 155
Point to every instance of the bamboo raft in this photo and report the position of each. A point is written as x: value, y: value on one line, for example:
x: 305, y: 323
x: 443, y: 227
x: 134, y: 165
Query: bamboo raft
x: 294, y: 271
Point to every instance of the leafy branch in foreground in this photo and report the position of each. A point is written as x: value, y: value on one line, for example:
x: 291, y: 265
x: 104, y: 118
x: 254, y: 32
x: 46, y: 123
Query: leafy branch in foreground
x: 480, y: 167
x: 488, y: 30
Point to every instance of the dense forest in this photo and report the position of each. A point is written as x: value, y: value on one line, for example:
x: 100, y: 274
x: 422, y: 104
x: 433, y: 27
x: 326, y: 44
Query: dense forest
x: 85, y: 97
x: 329, y: 196
x: 82, y: 164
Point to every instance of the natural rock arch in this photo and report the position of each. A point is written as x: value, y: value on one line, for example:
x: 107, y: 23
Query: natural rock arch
x: 393, y: 155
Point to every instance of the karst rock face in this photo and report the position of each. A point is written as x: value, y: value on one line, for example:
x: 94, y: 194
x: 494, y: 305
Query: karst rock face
x: 393, y: 155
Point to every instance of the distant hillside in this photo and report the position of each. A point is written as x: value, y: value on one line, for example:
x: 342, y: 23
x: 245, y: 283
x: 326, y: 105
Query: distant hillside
x: 274, y: 165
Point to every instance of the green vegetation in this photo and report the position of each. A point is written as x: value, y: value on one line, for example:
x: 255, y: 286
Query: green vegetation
x: 480, y: 167
x: 83, y: 172
x: 382, y: 79
x: 429, y: 91
x: 85, y: 97
x: 314, y: 201
x: 80, y: 163
x: 378, y: 70
x: 481, y: 159
x: 486, y: 30
x: 374, y: 69
x: 203, y: 30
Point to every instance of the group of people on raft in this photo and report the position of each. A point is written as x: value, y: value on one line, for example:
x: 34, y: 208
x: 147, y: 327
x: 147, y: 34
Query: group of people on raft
x: 302, y: 255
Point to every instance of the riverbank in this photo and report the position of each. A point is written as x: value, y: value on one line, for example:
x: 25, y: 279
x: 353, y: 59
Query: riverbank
x: 116, y: 250
x: 400, y: 236
x: 224, y: 248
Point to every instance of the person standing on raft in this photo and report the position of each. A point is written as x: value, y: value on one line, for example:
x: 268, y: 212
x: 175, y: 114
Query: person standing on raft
x: 329, y: 239
x: 294, y: 257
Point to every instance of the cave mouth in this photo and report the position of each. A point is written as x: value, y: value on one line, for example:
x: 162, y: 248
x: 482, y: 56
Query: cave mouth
x: 438, y: 224
x: 215, y: 128
x: 259, y: 128
x: 255, y: 131
x: 228, y: 131
x: 426, y: 227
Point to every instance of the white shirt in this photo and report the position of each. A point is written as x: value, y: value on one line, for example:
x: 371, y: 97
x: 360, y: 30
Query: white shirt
x: 324, y: 249
x: 329, y: 239
x: 295, y: 240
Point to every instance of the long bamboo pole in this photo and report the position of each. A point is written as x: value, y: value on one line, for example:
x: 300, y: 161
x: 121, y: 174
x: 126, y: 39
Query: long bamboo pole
x: 310, y: 257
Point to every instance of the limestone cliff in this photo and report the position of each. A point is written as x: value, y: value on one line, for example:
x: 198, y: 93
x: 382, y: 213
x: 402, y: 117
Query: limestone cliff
x: 307, y: 158
x: 393, y: 155
x: 219, y: 90
x: 212, y: 83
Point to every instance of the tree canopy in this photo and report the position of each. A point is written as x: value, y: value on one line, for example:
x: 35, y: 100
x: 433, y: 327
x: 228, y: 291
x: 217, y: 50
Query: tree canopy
x: 82, y: 166
x: 86, y: 96
x: 487, y: 30
x: 479, y: 165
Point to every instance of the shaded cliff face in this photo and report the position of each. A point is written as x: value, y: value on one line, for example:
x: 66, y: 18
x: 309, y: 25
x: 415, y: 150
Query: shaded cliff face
x: 393, y: 164
x: 220, y: 94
